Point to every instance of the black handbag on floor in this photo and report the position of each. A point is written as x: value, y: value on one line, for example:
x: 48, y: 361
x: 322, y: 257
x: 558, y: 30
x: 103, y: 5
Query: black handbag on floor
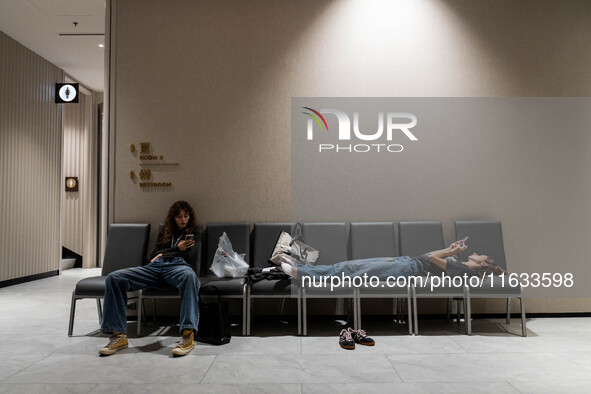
x: 214, y: 325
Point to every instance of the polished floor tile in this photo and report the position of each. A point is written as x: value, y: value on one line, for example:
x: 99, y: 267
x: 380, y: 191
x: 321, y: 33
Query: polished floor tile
x: 545, y: 387
x: 37, y: 356
x: 45, y: 388
x: 12, y: 364
x: 204, y: 388
x: 423, y: 388
x: 486, y: 367
x: 125, y: 367
x: 344, y: 368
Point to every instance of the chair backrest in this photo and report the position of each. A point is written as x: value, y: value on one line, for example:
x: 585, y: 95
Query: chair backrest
x: 195, y: 263
x: 486, y: 237
x: 127, y: 246
x: 239, y: 235
x: 374, y: 239
x: 417, y: 238
x: 264, y: 239
x: 329, y: 238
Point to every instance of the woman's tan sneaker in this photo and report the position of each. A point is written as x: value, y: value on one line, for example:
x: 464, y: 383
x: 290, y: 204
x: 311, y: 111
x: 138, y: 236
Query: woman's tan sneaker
x: 117, y: 342
x: 186, y: 344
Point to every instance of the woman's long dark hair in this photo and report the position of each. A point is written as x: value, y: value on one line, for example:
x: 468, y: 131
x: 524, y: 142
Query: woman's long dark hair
x: 170, y: 224
x: 493, y: 268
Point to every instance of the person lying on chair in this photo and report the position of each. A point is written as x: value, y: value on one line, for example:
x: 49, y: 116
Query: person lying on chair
x: 432, y: 263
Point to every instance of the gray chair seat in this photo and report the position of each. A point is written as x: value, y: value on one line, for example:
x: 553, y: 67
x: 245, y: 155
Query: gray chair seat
x: 429, y: 287
x: 264, y: 238
x: 212, y: 285
x: 376, y: 239
x: 383, y: 290
x: 495, y: 287
x: 486, y: 238
x: 91, y: 287
x: 274, y: 287
x: 239, y: 235
x: 331, y: 240
x: 345, y: 290
x: 127, y: 246
x: 420, y: 237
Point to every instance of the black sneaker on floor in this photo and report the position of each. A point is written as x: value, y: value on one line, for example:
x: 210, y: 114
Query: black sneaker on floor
x: 346, y: 341
x: 360, y: 337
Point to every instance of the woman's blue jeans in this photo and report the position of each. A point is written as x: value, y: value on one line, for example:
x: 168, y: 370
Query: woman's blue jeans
x: 175, y: 272
x: 382, y: 267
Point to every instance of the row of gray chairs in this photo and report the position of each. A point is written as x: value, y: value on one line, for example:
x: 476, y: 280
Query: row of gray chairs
x: 365, y: 240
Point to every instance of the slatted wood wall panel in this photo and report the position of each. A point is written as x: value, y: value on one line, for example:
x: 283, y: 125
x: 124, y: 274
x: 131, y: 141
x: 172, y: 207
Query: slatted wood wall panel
x: 79, y: 153
x: 30, y: 162
x: 73, y: 229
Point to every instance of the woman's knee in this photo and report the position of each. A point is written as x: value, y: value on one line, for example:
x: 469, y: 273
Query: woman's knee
x: 190, y: 277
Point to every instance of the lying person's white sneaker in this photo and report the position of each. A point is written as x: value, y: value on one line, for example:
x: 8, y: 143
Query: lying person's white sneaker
x: 289, y: 270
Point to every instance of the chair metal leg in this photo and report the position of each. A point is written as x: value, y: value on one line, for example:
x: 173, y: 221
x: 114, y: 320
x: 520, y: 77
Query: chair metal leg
x: 154, y: 315
x: 299, y: 312
x: 449, y: 302
x: 72, y: 312
x: 523, y: 327
x: 409, y: 306
x: 356, y: 310
x: 304, y: 314
x: 415, y: 312
x: 458, y: 309
x: 244, y: 309
x: 100, y: 310
x: 140, y: 304
x: 467, y: 311
x: 246, y: 313
x: 249, y: 316
x: 508, y: 320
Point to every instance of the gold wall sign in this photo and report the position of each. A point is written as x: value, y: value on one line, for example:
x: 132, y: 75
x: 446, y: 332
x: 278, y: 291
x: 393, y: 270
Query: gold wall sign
x: 145, y: 174
x: 155, y: 184
x: 149, y: 159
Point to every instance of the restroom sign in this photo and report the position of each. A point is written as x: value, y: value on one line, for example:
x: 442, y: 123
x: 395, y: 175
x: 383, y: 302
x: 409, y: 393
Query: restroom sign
x: 66, y: 93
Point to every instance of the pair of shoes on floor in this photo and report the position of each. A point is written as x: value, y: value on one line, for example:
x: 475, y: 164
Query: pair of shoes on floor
x: 349, y: 337
x: 118, y: 341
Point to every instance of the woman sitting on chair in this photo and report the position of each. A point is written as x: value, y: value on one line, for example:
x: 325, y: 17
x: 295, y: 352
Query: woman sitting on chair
x: 168, y: 265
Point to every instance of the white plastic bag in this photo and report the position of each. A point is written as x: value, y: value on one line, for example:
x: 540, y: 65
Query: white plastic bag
x: 227, y: 263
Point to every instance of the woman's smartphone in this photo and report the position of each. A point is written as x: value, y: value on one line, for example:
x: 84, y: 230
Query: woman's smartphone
x: 190, y: 237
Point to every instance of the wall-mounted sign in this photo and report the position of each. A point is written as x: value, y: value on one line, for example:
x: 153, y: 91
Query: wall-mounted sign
x: 66, y: 93
x: 147, y: 158
x: 71, y: 184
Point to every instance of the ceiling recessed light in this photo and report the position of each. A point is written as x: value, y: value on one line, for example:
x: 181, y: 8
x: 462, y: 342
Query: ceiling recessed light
x: 101, y: 45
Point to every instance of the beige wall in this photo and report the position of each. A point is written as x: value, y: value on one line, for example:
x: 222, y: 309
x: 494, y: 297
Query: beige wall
x: 209, y: 84
x: 30, y: 162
